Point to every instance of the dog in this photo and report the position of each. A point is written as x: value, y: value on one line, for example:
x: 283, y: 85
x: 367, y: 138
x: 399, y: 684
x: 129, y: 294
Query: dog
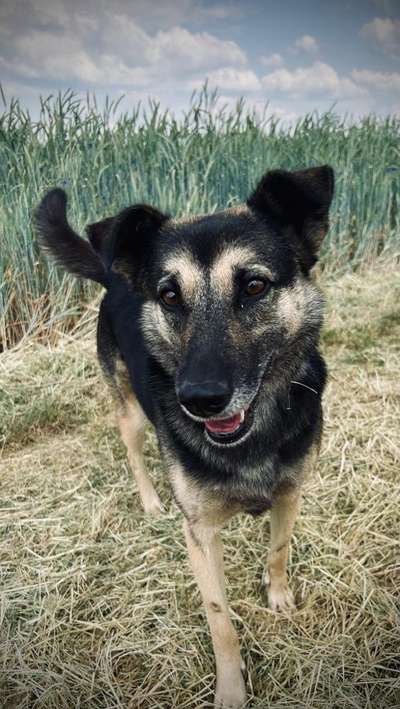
x: 209, y: 329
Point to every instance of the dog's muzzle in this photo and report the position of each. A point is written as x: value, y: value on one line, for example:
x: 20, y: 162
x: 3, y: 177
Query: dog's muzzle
x: 206, y: 402
x: 204, y: 399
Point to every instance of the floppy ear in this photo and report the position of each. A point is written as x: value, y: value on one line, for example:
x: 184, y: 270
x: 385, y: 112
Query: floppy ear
x: 127, y: 235
x: 300, y: 200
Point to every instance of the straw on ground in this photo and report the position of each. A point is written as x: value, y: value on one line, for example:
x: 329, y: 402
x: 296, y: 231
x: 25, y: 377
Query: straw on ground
x: 98, y: 605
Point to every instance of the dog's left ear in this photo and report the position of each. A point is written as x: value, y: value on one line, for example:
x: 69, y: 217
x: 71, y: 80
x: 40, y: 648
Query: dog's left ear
x: 126, y: 236
x: 300, y: 200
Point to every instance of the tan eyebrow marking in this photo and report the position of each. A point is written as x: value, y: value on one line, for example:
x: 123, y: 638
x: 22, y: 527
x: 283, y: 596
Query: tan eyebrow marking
x: 221, y: 275
x: 187, y: 271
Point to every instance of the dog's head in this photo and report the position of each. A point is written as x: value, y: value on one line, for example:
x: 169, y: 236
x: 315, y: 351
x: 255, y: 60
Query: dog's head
x: 226, y: 297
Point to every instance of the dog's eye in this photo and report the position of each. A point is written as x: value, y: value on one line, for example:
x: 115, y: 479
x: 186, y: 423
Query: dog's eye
x: 255, y: 286
x: 170, y: 297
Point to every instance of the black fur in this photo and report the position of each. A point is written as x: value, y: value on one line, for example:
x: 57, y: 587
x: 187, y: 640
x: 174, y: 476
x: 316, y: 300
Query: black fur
x: 284, y: 223
x: 58, y: 239
x: 301, y: 200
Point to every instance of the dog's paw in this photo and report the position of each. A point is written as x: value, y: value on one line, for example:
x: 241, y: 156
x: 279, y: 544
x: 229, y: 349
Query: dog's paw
x: 280, y: 597
x: 152, y: 504
x: 230, y: 693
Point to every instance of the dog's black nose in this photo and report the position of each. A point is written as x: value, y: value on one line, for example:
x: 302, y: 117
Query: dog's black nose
x: 204, y: 398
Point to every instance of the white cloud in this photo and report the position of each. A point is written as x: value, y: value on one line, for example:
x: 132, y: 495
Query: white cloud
x: 152, y: 15
x: 124, y: 54
x: 197, y: 51
x: 176, y: 47
x: 382, y: 80
x: 318, y: 79
x: 307, y: 43
x: 385, y: 34
x: 228, y: 78
x: 145, y: 48
x: 39, y: 54
x: 272, y: 60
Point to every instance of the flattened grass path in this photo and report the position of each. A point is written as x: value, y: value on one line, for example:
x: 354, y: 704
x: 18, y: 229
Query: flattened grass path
x: 98, y: 605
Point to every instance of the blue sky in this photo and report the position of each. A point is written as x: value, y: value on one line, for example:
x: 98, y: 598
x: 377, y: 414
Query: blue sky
x: 296, y: 55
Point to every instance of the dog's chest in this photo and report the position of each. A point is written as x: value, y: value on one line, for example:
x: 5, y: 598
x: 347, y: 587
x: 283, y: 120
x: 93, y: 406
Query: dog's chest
x: 257, y: 507
x: 253, y: 501
x: 253, y: 491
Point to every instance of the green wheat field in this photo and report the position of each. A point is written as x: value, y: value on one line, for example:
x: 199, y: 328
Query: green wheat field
x: 202, y: 162
x: 98, y: 607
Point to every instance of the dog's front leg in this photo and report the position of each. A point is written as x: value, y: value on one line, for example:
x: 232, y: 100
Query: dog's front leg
x: 206, y: 557
x: 283, y: 516
x: 131, y: 422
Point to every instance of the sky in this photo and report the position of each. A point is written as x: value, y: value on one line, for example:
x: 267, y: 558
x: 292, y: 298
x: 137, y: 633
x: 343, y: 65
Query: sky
x: 296, y: 56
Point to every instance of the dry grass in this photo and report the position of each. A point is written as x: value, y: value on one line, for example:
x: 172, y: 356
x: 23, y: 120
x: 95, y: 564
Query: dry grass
x: 98, y: 604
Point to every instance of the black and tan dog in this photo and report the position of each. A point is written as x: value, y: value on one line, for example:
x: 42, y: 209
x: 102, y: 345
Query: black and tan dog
x: 209, y: 328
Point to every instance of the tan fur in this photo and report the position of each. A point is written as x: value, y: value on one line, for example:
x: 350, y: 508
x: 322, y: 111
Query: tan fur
x: 236, y: 210
x: 222, y: 269
x: 291, y: 305
x: 284, y: 512
x: 154, y: 324
x: 297, y: 302
x: 283, y: 516
x: 204, y: 516
x: 122, y: 381
x: 239, y: 210
x: 207, y: 565
x: 131, y: 421
x: 187, y: 271
x: 199, y: 502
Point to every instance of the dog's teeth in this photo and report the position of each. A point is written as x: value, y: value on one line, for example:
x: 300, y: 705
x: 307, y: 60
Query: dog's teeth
x: 242, y: 416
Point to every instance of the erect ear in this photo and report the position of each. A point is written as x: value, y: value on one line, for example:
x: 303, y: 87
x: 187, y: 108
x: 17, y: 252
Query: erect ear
x: 300, y: 200
x: 127, y: 235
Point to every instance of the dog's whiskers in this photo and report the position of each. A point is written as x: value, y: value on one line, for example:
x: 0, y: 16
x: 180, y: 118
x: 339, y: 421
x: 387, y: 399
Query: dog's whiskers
x: 300, y: 384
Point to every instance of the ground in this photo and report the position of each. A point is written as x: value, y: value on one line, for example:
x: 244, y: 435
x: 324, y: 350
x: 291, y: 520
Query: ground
x: 98, y: 605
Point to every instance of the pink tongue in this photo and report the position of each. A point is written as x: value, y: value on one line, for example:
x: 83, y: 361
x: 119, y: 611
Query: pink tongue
x: 223, y: 425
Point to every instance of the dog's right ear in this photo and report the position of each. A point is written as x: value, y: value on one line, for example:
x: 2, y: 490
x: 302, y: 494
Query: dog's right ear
x: 300, y: 200
x: 127, y: 236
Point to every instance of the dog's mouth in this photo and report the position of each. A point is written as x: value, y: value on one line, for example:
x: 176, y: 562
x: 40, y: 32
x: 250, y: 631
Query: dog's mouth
x: 231, y: 429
